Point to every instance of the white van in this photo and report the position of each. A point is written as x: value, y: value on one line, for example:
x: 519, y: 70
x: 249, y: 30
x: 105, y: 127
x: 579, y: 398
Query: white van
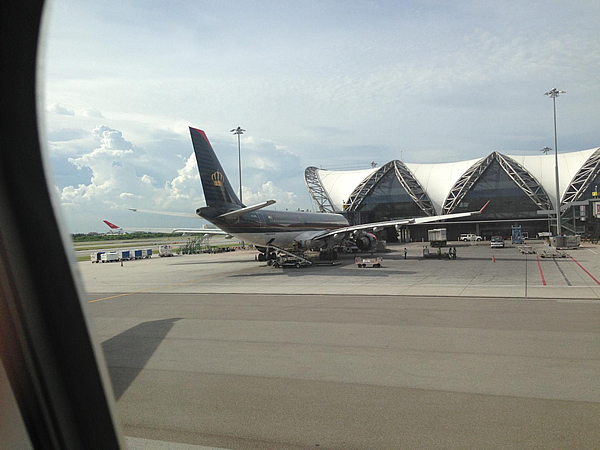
x: 469, y: 237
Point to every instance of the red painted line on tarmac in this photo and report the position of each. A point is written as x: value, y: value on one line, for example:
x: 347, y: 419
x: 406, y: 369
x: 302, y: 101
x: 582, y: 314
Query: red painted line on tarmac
x: 541, y: 271
x: 583, y: 268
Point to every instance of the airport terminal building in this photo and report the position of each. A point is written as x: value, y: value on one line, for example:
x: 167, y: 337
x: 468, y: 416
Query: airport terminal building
x: 522, y: 190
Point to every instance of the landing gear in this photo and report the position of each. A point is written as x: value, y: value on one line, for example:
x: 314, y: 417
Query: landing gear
x: 267, y: 256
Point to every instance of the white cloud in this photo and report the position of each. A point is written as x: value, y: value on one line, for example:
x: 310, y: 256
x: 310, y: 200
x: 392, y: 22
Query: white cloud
x: 184, y: 187
x: 118, y: 182
x: 148, y: 179
x: 129, y: 195
x: 269, y: 191
x: 116, y: 185
x: 57, y: 108
x: 110, y: 138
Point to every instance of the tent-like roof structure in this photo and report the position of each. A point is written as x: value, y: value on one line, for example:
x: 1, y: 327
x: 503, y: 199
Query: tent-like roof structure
x: 438, y: 188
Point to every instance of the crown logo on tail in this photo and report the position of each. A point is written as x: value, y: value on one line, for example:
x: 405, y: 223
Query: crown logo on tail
x: 218, y: 178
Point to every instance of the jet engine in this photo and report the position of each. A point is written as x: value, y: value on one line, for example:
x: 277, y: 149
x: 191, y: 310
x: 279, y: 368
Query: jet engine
x: 366, y: 241
x: 307, y: 241
x: 310, y: 244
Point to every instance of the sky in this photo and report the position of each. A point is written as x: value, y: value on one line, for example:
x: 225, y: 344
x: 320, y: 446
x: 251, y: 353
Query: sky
x: 332, y: 84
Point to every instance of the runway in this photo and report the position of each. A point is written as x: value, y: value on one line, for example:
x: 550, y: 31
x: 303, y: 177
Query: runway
x: 351, y: 370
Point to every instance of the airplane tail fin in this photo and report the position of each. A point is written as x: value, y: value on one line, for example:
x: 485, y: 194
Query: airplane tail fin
x: 217, y: 189
x: 112, y: 226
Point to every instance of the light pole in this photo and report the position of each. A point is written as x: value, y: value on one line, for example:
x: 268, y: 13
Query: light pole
x: 239, y: 131
x: 553, y: 94
x: 545, y: 151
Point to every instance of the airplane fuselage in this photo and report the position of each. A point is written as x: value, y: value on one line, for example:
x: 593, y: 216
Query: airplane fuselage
x: 279, y: 228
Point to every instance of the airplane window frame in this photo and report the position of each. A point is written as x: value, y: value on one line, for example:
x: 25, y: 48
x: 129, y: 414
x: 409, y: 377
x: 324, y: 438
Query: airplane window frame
x: 55, y: 367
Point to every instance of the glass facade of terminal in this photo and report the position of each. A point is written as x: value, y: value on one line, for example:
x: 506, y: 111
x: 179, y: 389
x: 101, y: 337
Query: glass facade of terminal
x: 593, y: 187
x: 389, y: 200
x: 508, y: 201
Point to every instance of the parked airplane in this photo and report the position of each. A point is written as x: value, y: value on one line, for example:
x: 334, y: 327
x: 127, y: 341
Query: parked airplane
x: 185, y: 231
x: 281, y: 230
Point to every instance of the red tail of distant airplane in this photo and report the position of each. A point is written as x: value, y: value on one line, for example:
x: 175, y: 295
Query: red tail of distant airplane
x: 112, y: 226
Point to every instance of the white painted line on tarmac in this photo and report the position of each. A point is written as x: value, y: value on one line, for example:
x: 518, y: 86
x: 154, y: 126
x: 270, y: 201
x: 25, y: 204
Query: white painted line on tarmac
x: 590, y: 250
x: 578, y: 301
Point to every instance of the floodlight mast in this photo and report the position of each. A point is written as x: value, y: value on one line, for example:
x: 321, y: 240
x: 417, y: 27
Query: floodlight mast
x: 553, y: 94
x: 239, y: 131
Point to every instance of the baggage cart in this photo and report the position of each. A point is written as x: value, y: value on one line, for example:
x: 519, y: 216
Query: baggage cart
x: 364, y: 262
x: 96, y: 257
x: 109, y: 257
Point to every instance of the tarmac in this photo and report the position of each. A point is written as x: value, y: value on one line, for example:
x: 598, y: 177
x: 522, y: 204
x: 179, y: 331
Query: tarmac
x: 493, y: 349
x: 478, y: 271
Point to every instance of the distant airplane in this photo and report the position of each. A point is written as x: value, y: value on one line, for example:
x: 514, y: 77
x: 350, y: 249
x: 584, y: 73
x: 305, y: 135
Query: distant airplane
x: 185, y: 231
x: 114, y: 228
x: 282, y: 230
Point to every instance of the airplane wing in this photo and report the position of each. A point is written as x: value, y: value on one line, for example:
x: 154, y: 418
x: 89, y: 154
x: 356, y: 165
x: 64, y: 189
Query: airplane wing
x: 209, y: 231
x: 378, y: 226
x: 165, y: 213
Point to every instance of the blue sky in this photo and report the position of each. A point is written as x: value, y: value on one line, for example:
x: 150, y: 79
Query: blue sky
x: 331, y: 84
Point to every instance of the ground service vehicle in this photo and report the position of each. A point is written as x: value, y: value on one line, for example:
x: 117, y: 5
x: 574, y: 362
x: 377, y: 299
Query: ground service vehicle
x: 109, y: 257
x: 437, y: 237
x: 497, y: 242
x: 96, y: 256
x: 469, y: 237
x: 165, y: 250
x: 364, y: 262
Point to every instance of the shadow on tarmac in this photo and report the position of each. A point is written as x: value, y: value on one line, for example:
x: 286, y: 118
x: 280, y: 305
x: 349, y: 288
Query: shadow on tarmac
x: 128, y: 352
